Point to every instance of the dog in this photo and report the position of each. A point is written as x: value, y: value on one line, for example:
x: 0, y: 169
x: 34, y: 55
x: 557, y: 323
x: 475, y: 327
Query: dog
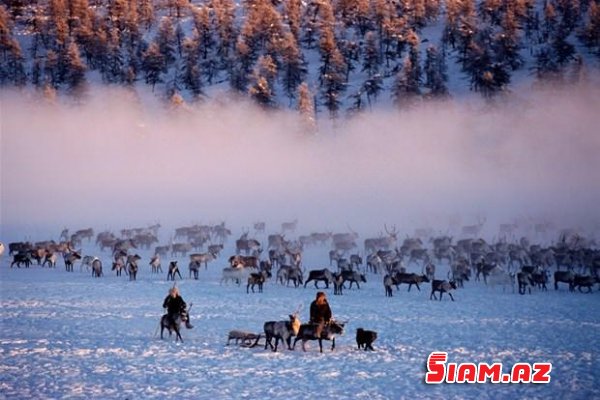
x: 365, y: 339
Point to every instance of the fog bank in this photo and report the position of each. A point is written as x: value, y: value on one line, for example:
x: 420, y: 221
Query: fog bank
x: 115, y: 162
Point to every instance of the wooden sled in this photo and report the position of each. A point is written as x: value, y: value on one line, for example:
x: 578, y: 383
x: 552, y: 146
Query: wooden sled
x: 243, y: 338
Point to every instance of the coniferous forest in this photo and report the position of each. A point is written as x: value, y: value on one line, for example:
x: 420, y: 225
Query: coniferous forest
x: 333, y: 57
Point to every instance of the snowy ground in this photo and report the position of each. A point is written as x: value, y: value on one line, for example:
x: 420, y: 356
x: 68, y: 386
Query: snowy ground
x: 68, y: 335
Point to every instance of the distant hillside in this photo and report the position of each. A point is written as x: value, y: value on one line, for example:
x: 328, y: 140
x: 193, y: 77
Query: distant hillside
x: 321, y: 57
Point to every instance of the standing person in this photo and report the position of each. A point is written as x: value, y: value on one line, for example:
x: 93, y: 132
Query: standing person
x: 176, y: 307
x: 320, y: 313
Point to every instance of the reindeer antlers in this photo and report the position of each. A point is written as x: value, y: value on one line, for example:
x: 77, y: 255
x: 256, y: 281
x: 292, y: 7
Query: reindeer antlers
x: 393, y: 232
x: 298, y: 309
x: 350, y: 228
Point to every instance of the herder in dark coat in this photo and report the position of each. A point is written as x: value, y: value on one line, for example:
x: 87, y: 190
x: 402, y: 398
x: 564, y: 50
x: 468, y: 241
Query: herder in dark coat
x: 176, y: 307
x: 320, y: 313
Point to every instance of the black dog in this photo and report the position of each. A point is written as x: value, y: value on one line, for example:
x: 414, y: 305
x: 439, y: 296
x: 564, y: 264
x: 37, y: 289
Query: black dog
x: 365, y: 339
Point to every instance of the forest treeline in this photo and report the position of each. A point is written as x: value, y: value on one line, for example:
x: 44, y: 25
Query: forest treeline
x: 328, y: 55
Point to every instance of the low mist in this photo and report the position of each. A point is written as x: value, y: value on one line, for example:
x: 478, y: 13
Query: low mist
x: 117, y: 161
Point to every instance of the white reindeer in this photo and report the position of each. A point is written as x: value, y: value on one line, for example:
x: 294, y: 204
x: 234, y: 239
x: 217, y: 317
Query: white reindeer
x: 473, y: 230
x: 234, y: 274
x: 499, y: 277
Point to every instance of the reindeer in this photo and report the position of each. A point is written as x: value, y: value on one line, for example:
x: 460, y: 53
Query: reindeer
x: 259, y: 227
x: 289, y: 226
x: 507, y: 230
x: 275, y: 241
x: 221, y: 233
x: 283, y: 330
x: 282, y: 274
x: 308, y: 332
x: 173, y: 269
x: 64, y: 234
x: 483, y: 269
x: 320, y: 275
x: 104, y: 236
x: 306, y: 240
x: 334, y: 255
x: 295, y: 257
x: 350, y: 276
x: 162, y: 250
x: 410, y: 279
x: 417, y: 255
x: 408, y: 245
x: 355, y: 261
x: 498, y: 276
x: 19, y: 247
x: 194, y: 266
x: 154, y: 228
x: 85, y: 234
x: 444, y: 253
x: 180, y: 248
x: 343, y: 242
x: 215, y: 250
x: 246, y: 245
x: 202, y: 258
x: 442, y: 287
x: 155, y: 264
x: 97, y: 268
x: 374, y: 263
x: 257, y: 278
x: 244, y: 261
x: 383, y: 242
x: 524, y: 282
x: 344, y: 247
x: 51, y: 259
x: 182, y: 232
x: 388, y: 283
x: 429, y: 271
x: 86, y: 262
x: 287, y: 274
x: 541, y: 229
x: 320, y: 238
x: 38, y: 252
x: 21, y: 258
x: 424, y: 233
x: 234, y: 274
x: 132, y: 266
x: 265, y: 265
x: 199, y: 240
x: 518, y: 255
x: 174, y: 325
x: 70, y: 259
x: 145, y: 240
x: 123, y: 246
x: 390, y: 260
x: 118, y: 266
x: 338, y: 283
x: 473, y: 230
x: 107, y: 243
x: 276, y: 257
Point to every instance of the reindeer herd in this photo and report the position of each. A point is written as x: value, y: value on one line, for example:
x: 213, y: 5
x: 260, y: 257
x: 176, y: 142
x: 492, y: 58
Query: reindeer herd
x: 443, y: 263
x: 519, y: 265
